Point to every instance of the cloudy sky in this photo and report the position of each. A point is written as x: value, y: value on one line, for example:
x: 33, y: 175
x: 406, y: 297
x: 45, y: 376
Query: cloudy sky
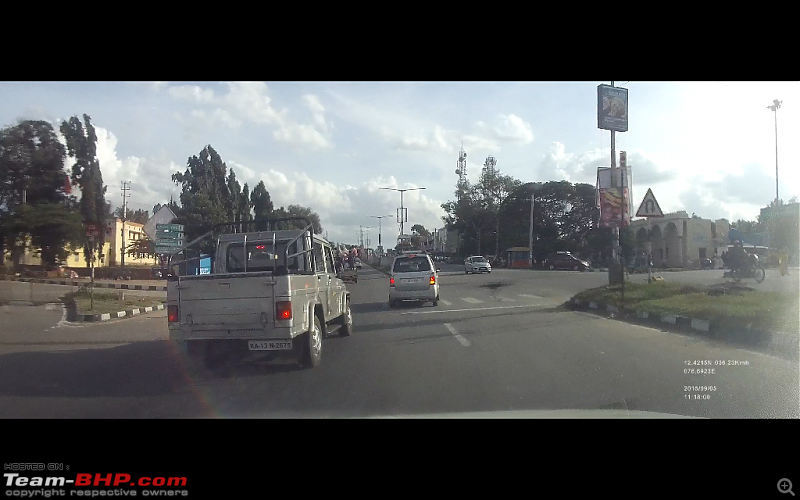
x: 703, y: 147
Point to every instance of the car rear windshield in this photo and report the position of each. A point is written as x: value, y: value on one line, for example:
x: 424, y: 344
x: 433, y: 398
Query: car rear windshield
x: 411, y: 265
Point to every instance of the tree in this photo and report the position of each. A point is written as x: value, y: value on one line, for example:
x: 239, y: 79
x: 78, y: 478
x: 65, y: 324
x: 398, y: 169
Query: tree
x: 420, y: 230
x: 261, y: 202
x: 35, y: 202
x: 139, y: 216
x: 205, y: 195
x: 297, y: 211
x: 82, y: 146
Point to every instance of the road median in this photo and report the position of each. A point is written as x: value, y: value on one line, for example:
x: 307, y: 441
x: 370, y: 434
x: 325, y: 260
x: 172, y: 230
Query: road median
x: 105, y: 306
x: 728, y: 312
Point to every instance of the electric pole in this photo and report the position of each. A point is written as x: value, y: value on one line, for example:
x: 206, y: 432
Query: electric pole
x: 530, y: 236
x: 776, y: 104
x: 126, y: 186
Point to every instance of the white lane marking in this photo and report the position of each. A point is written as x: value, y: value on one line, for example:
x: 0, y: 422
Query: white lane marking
x: 505, y: 299
x: 457, y: 335
x: 529, y: 296
x: 471, y: 300
x: 446, y: 302
x: 473, y: 309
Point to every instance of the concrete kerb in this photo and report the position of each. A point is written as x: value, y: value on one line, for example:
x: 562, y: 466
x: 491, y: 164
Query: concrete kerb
x: 778, y: 341
x: 86, y: 318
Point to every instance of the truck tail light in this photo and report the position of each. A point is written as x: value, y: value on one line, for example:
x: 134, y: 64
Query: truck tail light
x: 283, y: 309
x: 172, y: 314
x: 391, y: 281
x: 433, y: 279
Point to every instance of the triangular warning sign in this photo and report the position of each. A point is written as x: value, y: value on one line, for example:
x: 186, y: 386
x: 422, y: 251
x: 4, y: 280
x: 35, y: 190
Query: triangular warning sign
x: 649, y: 206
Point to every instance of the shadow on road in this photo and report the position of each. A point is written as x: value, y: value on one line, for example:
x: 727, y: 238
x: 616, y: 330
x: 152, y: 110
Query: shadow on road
x: 139, y: 369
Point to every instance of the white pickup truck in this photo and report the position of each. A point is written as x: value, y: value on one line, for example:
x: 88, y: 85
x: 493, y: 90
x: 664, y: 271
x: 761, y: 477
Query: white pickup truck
x: 271, y: 294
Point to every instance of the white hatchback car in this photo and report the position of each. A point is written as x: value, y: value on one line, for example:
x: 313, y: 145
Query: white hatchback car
x: 413, y: 277
x: 477, y: 264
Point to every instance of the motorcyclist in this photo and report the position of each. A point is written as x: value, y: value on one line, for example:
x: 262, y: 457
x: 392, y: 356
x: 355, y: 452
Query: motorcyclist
x: 739, y: 257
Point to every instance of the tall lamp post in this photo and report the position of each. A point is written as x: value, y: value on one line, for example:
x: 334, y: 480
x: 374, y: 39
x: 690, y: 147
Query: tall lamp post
x: 402, y: 212
x: 776, y: 105
x: 380, y: 244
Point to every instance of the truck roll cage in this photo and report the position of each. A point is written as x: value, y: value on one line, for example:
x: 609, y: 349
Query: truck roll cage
x: 306, y: 232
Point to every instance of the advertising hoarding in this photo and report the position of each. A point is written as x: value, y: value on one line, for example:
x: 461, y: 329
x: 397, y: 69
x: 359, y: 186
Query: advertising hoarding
x: 612, y: 108
x: 614, y: 202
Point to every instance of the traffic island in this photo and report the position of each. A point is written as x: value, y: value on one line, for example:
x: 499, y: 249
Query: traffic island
x: 84, y: 282
x: 104, y: 306
x: 729, y: 312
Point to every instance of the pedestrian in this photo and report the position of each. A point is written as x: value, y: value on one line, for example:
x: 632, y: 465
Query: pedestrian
x: 784, y: 262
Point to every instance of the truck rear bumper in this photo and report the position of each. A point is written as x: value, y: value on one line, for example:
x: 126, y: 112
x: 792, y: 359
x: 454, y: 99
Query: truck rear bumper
x: 257, y: 332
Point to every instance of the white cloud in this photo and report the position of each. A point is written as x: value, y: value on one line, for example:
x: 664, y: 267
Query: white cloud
x: 249, y: 102
x: 511, y: 129
x: 191, y: 93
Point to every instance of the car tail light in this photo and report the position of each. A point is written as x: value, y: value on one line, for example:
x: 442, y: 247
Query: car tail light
x: 172, y: 314
x: 391, y: 281
x: 283, y: 310
x: 433, y: 279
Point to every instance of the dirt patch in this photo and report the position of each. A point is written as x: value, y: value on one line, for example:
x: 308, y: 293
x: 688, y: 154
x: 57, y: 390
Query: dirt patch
x: 729, y: 289
x: 494, y: 286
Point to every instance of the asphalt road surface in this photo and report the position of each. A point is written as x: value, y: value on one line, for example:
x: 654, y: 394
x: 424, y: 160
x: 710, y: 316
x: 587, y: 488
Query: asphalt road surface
x: 496, y: 342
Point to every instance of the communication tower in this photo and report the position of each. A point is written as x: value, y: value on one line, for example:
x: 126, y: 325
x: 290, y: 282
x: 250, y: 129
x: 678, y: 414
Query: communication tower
x: 461, y: 170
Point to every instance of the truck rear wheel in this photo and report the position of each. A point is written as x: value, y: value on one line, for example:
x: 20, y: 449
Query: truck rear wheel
x: 347, y: 321
x: 312, y: 346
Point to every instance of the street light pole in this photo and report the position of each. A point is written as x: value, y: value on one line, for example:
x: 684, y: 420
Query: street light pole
x: 402, y: 211
x: 776, y: 105
x: 530, y: 237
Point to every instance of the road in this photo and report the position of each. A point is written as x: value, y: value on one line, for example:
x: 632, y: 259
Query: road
x: 496, y: 342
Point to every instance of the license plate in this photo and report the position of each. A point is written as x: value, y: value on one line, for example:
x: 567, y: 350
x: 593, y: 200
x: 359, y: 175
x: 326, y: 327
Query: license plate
x: 270, y: 345
x: 410, y: 280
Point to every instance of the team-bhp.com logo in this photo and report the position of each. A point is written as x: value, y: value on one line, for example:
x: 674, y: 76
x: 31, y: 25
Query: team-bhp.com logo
x: 94, y: 481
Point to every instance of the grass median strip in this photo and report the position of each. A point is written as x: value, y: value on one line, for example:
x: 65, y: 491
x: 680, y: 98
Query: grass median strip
x: 109, y: 302
x: 738, y: 307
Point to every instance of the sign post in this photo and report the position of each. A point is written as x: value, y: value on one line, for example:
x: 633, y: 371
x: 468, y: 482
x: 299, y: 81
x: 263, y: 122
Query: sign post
x: 649, y: 208
x: 169, y: 238
x: 92, y: 232
x: 612, y: 115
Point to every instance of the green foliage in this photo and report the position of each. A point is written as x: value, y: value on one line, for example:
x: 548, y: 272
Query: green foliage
x: 82, y: 146
x: 32, y: 162
x: 211, y: 195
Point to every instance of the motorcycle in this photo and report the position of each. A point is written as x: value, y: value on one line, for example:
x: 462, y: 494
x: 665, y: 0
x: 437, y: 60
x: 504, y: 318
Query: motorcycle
x: 753, y: 270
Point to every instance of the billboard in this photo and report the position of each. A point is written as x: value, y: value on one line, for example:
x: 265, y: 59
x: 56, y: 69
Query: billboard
x: 615, y: 203
x: 612, y: 108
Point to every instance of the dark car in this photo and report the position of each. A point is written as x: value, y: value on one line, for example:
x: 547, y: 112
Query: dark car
x: 567, y: 261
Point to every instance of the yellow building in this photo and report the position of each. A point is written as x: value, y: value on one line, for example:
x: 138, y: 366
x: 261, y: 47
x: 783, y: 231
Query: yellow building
x: 112, y: 248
